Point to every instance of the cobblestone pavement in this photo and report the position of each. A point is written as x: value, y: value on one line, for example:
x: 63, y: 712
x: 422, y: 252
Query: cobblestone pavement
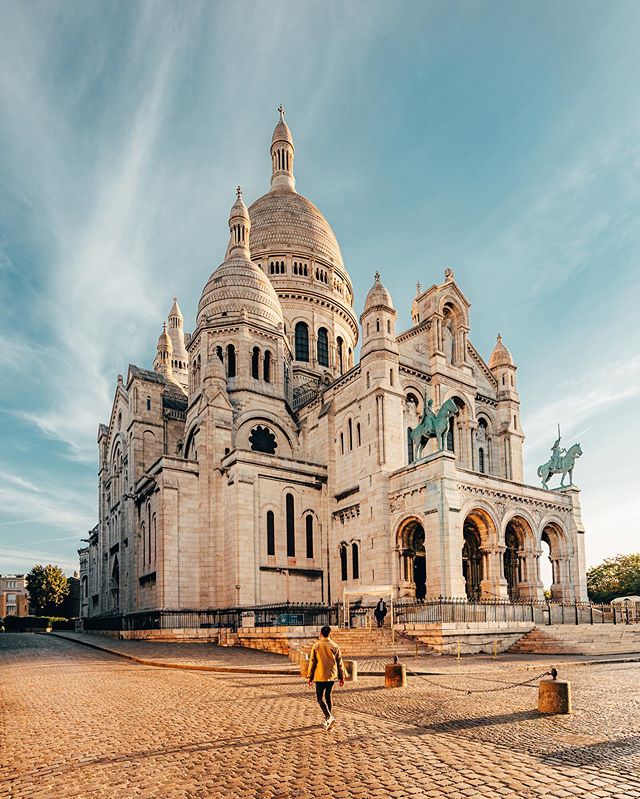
x: 198, y: 655
x: 78, y: 722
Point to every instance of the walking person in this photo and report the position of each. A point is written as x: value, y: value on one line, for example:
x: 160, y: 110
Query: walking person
x: 380, y: 612
x: 325, y: 667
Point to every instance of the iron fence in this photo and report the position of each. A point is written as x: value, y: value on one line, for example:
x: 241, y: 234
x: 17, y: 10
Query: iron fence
x: 280, y: 615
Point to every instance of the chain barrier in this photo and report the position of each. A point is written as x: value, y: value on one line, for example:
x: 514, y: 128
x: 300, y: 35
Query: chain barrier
x: 553, y: 673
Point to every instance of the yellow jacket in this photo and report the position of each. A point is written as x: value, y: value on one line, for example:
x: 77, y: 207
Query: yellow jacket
x: 325, y: 664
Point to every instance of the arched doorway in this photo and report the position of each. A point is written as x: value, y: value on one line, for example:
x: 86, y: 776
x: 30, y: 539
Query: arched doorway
x: 413, y: 560
x: 518, y: 554
x: 553, y: 537
x: 472, y: 561
x: 478, y: 532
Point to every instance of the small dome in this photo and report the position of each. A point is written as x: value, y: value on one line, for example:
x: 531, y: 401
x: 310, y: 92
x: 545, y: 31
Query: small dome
x: 500, y: 355
x: 377, y: 296
x: 164, y: 340
x: 238, y: 288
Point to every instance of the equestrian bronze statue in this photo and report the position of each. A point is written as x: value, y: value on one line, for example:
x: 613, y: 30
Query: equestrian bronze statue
x: 561, y: 461
x: 433, y: 425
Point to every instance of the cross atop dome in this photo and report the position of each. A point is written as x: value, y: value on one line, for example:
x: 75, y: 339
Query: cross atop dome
x: 281, y: 110
x: 282, y: 152
x: 239, y: 192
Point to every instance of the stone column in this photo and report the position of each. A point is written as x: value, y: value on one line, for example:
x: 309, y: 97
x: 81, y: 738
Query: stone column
x: 494, y: 585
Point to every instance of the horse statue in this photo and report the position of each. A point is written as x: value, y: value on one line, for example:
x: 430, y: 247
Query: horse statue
x: 562, y: 463
x: 433, y: 425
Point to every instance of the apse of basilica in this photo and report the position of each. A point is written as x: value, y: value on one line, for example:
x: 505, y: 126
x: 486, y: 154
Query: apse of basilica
x: 259, y: 462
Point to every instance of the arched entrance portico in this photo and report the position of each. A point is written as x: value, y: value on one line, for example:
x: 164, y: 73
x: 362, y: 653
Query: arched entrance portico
x: 413, y: 559
x: 520, y: 560
x: 553, y: 536
x: 478, y: 554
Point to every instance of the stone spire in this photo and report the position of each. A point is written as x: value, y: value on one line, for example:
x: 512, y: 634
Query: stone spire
x: 282, y: 152
x: 162, y: 363
x: 239, y: 227
x: 176, y: 331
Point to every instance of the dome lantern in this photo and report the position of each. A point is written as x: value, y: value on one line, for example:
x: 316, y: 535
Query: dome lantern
x: 282, y: 153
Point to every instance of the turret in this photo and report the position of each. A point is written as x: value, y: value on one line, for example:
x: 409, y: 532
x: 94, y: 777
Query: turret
x: 162, y: 363
x: 282, y: 152
x: 379, y: 343
x: 509, y: 431
x: 179, y: 359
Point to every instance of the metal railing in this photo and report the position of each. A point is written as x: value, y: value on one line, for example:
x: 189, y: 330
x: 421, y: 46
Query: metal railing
x: 280, y: 615
x: 440, y: 611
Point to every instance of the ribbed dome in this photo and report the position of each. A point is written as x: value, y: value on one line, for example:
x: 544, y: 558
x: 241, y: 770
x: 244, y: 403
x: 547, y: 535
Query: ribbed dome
x: 500, y: 355
x: 286, y: 219
x: 164, y: 340
x: 378, y: 295
x: 238, y: 286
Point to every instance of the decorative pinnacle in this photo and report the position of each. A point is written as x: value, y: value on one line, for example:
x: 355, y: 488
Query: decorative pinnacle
x: 377, y: 277
x: 499, y: 338
x: 239, y: 192
x: 418, y: 288
x: 281, y: 110
x: 175, y: 299
x: 164, y: 327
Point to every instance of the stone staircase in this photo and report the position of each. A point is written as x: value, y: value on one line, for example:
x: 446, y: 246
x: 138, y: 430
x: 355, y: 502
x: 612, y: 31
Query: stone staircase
x: 375, y: 643
x: 583, y: 639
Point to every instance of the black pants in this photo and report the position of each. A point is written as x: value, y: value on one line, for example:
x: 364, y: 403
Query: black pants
x: 323, y: 695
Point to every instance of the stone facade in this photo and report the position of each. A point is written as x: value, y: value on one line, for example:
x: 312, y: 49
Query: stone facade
x: 258, y: 462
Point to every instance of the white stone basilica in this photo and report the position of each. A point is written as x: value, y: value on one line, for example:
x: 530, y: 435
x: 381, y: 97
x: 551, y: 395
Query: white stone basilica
x: 259, y: 462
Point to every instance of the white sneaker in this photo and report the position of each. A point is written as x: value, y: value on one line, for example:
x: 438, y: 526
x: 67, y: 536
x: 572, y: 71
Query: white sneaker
x: 325, y: 724
x: 331, y: 720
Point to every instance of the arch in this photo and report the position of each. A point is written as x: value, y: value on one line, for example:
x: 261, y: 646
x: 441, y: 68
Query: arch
x: 323, y: 346
x: 553, y: 534
x: 480, y: 539
x: 413, y: 561
x: 191, y: 447
x: 519, y: 541
x: 248, y: 420
x: 302, y: 341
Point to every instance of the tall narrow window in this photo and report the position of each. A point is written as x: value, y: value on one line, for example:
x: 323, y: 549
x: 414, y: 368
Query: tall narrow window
x: 481, y: 460
x: 323, y: 347
x: 231, y: 360
x: 340, y: 354
x: 355, y: 561
x: 350, y: 429
x: 450, y: 438
x: 255, y: 363
x: 266, y: 368
x: 342, y: 443
x: 148, y: 403
x: 271, y: 533
x: 302, y: 342
x: 409, y: 445
x: 291, y: 527
x: 343, y: 562
x: 359, y: 436
x: 309, y: 524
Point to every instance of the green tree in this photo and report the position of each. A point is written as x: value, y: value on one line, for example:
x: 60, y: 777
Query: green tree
x: 619, y: 576
x: 48, y: 587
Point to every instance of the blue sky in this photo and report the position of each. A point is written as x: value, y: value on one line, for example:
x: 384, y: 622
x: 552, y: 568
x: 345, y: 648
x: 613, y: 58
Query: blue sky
x: 500, y: 139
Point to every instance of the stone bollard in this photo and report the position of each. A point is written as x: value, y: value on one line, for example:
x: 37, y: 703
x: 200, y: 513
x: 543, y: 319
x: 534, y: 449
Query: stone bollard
x: 395, y: 675
x: 304, y: 666
x: 351, y: 670
x: 554, y: 696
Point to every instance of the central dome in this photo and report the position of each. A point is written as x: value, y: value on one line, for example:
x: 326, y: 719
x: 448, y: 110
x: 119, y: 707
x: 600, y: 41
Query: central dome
x: 287, y: 219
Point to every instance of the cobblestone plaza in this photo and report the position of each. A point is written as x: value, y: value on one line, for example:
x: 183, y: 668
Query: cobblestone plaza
x: 79, y: 722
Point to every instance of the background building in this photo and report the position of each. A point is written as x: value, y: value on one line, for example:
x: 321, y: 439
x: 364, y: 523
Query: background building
x: 14, y: 597
x: 258, y: 462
